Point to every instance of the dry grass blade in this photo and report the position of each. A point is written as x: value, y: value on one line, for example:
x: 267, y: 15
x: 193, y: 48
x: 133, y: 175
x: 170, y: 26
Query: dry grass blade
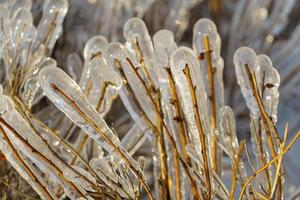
x: 117, y: 149
x: 235, y: 169
x: 286, y: 149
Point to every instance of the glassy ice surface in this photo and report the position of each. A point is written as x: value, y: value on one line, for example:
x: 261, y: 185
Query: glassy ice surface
x: 121, y: 114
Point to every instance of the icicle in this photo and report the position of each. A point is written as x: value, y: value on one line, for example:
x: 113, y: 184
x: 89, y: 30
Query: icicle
x: 50, y: 25
x: 95, y: 46
x: 181, y: 58
x: 67, y: 96
x: 242, y: 57
x: 136, y: 33
x: 75, y: 66
x: 82, y: 183
x: 32, y: 145
x: 164, y: 45
x: 117, y: 57
x: 230, y: 140
x: 207, y: 44
x: 268, y: 80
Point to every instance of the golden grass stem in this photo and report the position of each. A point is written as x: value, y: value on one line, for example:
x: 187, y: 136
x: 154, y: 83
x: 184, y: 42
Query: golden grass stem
x: 235, y: 169
x: 118, y: 150
x: 283, y: 152
x: 200, y: 131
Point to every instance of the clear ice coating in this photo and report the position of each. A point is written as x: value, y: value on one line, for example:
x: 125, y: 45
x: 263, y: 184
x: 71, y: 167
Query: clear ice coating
x: 135, y: 93
x: 230, y: 140
x: 181, y: 58
x: 95, y: 45
x: 207, y: 45
x: 32, y: 147
x: 136, y: 33
x: 99, y: 81
x: 50, y: 25
x: 205, y: 27
x: 268, y: 81
x: 164, y: 45
x: 60, y: 161
x: 139, y: 48
x: 243, y: 57
x: 68, y: 97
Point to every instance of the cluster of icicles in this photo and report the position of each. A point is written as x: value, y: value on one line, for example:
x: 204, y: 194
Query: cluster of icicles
x: 174, y: 95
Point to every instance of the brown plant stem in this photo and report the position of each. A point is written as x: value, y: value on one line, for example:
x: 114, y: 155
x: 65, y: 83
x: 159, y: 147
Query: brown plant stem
x: 212, y: 99
x: 25, y: 165
x: 169, y: 136
x: 283, y: 152
x: 202, y: 136
x: 102, y: 94
x: 179, y: 118
x: 254, y: 87
x: 107, y: 139
x: 162, y: 154
x: 48, y: 162
x: 235, y: 169
x: 28, y: 114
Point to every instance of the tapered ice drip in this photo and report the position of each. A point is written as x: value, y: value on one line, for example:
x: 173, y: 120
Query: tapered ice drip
x: 31, y: 93
x: 229, y: 139
x: 182, y: 59
x: 67, y: 96
x: 140, y: 48
x: 75, y: 66
x: 205, y: 27
x: 99, y: 82
x: 207, y: 44
x: 30, y: 146
x: 115, y: 176
x: 135, y: 93
x: 13, y: 158
x: 93, y: 48
x: 136, y: 33
x: 50, y: 25
x: 245, y: 57
x: 16, y: 35
x: 164, y: 46
x: 268, y: 81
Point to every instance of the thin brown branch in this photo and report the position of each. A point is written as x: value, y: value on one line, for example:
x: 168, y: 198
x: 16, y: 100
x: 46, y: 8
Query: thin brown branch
x: 105, y: 137
x: 179, y: 116
x: 169, y: 136
x: 40, y: 156
x: 266, y: 119
x: 202, y: 136
x: 282, y: 153
x: 25, y: 165
x: 235, y: 169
